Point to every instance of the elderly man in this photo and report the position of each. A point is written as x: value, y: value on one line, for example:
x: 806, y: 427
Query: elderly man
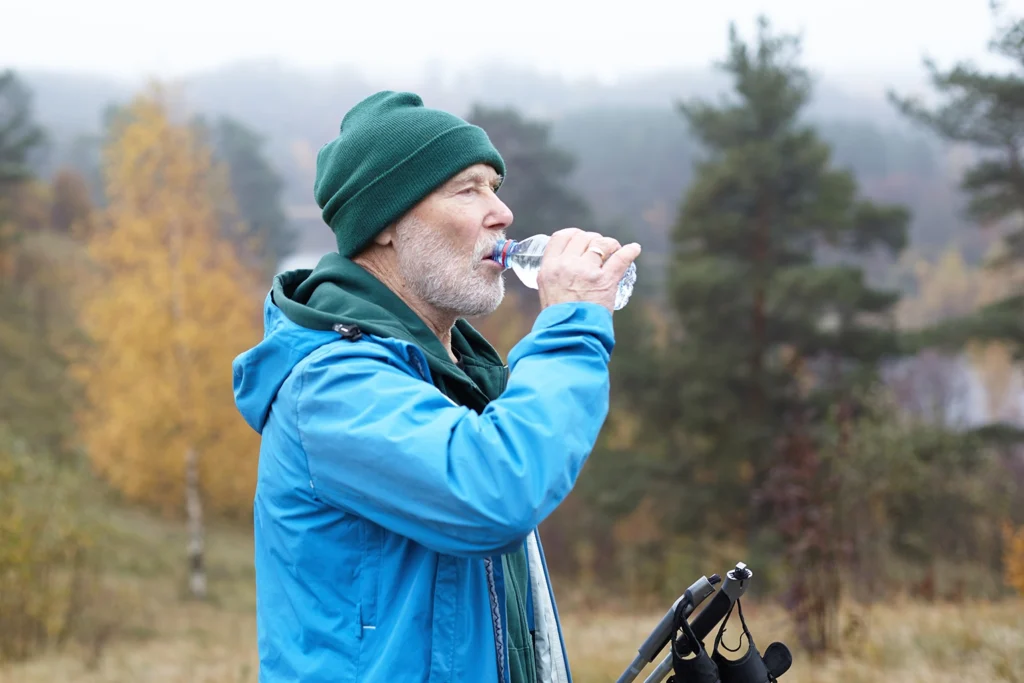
x: 404, y: 468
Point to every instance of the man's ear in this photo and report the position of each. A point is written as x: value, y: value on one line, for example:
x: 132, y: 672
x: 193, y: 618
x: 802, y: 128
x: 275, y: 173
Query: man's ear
x: 386, y: 237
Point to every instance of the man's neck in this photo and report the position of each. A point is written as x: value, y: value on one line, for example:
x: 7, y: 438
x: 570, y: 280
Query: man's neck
x: 439, y: 322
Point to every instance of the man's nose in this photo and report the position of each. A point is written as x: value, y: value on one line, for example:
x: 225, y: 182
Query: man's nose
x: 501, y: 217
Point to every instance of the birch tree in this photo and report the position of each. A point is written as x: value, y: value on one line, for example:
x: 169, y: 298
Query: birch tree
x: 170, y: 307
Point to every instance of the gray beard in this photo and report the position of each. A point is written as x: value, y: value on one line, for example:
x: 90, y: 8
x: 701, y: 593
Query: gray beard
x: 440, y: 276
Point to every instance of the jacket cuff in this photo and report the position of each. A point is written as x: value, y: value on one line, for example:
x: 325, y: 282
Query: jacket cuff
x: 580, y: 317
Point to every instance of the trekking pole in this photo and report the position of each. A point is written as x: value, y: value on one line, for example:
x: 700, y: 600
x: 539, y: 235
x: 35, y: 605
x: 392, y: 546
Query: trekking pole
x: 734, y: 586
x: 666, y: 628
x: 736, y: 581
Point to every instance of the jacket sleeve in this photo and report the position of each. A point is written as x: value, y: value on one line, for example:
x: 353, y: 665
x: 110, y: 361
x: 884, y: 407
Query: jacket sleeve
x: 383, y: 444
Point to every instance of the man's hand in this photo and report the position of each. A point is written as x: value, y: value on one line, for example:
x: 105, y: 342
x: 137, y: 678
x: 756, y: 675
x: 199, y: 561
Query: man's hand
x: 583, y: 266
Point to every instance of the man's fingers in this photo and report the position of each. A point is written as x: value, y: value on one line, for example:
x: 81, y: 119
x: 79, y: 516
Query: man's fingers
x: 618, y: 262
x: 607, y: 245
x: 605, y: 250
x: 560, y: 239
x: 579, y: 243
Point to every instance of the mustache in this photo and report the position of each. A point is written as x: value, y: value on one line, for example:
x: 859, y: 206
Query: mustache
x: 487, y: 248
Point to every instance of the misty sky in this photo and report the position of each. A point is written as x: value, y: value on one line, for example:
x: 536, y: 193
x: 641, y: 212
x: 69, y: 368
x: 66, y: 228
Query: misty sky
x: 124, y: 38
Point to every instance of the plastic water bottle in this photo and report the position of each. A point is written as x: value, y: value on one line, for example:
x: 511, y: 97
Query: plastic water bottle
x: 524, y: 257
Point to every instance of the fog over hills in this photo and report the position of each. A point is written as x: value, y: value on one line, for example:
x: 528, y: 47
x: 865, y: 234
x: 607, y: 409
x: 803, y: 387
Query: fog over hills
x: 634, y: 152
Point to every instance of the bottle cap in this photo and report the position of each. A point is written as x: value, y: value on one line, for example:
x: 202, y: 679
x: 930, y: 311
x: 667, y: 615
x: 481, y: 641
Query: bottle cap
x: 502, y: 249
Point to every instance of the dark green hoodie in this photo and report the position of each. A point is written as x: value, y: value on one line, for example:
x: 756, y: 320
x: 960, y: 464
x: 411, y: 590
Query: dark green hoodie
x: 340, y: 295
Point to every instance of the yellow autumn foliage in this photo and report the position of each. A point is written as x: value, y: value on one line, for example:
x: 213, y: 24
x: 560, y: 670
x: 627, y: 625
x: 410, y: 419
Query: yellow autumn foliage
x: 1013, y: 539
x: 171, y: 305
x: 950, y: 288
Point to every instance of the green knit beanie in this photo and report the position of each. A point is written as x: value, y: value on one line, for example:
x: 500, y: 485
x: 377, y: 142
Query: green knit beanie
x: 390, y: 153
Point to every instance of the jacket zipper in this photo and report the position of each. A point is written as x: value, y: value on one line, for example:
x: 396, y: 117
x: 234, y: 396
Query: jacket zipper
x: 499, y: 634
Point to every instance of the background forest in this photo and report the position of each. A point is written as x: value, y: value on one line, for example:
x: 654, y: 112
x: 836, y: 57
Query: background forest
x: 819, y: 375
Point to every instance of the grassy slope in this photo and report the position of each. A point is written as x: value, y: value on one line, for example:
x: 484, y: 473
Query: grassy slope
x: 162, y: 638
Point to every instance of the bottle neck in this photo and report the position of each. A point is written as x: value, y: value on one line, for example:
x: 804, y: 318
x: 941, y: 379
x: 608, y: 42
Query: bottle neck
x: 502, y: 250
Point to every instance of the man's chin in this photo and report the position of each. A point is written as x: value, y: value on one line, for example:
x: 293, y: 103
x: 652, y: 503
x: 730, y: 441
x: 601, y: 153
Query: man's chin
x: 494, y: 303
x: 495, y: 292
x: 497, y: 302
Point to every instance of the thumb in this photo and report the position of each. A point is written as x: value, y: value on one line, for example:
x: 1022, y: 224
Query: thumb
x: 619, y: 261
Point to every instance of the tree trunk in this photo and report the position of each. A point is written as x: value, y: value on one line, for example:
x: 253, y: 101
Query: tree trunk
x: 194, y: 510
x: 193, y: 501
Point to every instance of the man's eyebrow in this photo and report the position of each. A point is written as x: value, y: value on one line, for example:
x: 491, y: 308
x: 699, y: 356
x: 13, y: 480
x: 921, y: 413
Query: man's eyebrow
x: 478, y: 178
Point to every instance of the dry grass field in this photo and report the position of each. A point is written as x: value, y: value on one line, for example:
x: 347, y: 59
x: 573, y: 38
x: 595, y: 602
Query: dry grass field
x: 160, y: 638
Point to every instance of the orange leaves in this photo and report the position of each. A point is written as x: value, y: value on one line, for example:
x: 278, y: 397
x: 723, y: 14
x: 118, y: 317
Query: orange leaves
x: 1013, y: 540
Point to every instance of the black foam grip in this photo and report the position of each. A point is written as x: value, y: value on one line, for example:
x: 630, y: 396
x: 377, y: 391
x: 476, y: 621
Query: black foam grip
x: 716, y: 610
x: 705, y: 621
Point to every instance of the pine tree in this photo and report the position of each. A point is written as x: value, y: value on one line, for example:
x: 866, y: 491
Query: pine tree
x: 537, y: 188
x: 771, y: 338
x: 21, y: 138
x: 35, y: 288
x: 172, y: 307
x: 984, y: 111
x: 256, y: 188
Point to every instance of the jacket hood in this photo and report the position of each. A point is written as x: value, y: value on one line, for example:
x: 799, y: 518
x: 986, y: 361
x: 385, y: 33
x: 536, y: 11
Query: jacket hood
x: 259, y: 372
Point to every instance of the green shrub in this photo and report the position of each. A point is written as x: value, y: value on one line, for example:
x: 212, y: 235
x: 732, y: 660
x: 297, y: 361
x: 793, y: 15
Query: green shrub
x: 47, y: 563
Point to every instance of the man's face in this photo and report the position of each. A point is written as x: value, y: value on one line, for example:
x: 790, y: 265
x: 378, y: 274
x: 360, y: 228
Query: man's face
x: 443, y: 244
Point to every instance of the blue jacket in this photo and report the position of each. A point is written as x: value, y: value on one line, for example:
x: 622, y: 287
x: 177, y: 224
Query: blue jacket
x: 381, y: 506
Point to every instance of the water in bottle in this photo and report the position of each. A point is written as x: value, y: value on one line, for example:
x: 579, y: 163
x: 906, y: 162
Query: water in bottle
x: 524, y: 257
